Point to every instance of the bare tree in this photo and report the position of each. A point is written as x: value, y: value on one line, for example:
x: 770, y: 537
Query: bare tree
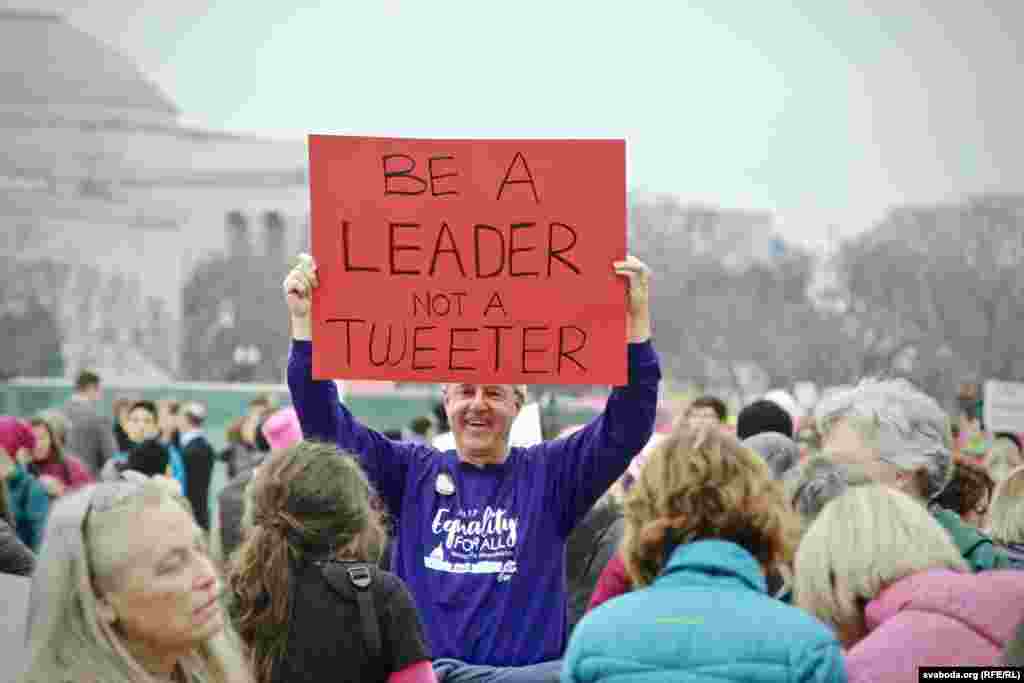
x: 59, y: 317
x: 933, y: 291
x: 724, y: 310
x: 232, y: 311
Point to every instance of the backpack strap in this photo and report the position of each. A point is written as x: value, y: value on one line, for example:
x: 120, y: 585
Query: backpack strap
x: 361, y: 577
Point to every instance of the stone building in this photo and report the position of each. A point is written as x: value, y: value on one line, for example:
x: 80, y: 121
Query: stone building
x: 108, y: 204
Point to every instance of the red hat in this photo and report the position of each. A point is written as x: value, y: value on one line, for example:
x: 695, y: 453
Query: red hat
x: 15, y: 434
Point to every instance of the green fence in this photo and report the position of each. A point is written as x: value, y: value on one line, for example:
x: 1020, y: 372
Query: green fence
x: 383, y: 410
x: 224, y: 402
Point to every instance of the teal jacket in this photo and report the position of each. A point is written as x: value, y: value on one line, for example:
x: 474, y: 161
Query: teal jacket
x: 706, y: 617
x: 177, y: 466
x: 978, y: 549
x: 30, y: 504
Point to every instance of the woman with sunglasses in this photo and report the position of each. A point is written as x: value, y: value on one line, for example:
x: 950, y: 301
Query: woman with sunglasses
x: 124, y: 592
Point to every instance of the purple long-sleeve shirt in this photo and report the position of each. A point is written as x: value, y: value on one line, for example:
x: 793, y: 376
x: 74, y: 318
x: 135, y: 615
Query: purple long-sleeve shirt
x: 484, y: 558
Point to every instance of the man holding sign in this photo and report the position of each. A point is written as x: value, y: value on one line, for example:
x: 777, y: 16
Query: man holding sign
x: 482, y: 529
x: 468, y: 261
x: 485, y: 265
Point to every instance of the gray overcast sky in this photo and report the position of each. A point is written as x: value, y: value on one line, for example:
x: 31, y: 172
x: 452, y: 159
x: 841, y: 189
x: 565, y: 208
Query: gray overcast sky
x: 824, y: 111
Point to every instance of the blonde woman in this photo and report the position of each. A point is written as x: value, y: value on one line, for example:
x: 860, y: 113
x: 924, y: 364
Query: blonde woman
x: 124, y: 592
x: 704, y: 522
x: 1006, y: 517
x: 879, y: 569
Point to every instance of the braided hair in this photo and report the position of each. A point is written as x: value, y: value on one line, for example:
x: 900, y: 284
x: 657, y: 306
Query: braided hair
x: 306, y: 503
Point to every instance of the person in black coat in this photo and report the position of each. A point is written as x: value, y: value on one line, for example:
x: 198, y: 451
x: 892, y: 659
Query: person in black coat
x: 147, y: 455
x: 149, y: 458
x: 591, y: 544
x: 198, y: 456
x: 231, y: 509
x: 15, y: 557
x: 276, y: 431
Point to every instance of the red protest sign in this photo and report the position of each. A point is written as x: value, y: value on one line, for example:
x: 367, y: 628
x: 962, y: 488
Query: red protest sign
x: 482, y: 261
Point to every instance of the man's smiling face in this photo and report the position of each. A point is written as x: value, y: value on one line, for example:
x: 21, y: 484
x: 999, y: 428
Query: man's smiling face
x: 481, y: 416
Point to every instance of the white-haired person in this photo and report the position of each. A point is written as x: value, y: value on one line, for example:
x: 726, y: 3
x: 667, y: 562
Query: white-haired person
x: 816, y: 482
x: 1006, y: 517
x: 878, y: 568
x: 124, y: 592
x: 778, y: 450
x: 705, y: 522
x: 894, y: 434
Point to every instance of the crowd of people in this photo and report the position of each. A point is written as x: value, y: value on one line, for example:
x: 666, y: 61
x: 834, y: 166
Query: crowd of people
x: 856, y: 544
x: 58, y: 451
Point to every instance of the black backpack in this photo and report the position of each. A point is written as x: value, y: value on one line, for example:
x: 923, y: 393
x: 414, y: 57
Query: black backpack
x: 343, y: 577
x: 359, y: 575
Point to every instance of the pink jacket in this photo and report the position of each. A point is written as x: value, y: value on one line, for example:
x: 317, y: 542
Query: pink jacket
x: 74, y: 476
x: 613, y: 582
x: 937, y: 618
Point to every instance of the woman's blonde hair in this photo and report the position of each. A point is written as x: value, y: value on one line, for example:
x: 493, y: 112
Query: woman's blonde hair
x: 864, y: 540
x: 1006, y: 512
x: 703, y: 484
x: 82, y: 549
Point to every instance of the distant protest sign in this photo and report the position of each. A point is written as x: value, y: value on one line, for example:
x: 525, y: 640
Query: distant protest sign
x: 481, y: 261
x: 1004, y: 407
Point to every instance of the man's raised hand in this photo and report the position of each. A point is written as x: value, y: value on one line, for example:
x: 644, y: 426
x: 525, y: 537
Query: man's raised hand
x: 639, y: 276
x: 299, y: 285
x: 298, y: 292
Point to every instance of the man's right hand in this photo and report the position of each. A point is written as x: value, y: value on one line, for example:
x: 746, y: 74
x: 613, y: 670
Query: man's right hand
x: 298, y: 291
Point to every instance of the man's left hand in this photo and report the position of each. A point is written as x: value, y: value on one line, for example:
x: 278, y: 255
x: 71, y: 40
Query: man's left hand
x: 639, y: 276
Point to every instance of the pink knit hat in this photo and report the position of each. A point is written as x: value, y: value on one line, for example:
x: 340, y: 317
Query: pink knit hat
x: 282, y: 429
x: 15, y: 434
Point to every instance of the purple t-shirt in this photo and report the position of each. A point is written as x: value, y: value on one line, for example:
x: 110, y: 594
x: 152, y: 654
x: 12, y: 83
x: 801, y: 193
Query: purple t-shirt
x: 482, y: 549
